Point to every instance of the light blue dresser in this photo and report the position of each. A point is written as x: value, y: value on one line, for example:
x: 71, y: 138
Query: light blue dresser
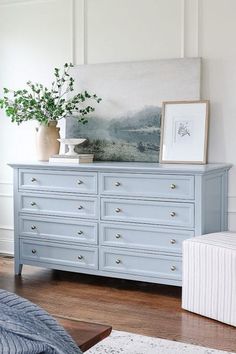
x: 124, y: 220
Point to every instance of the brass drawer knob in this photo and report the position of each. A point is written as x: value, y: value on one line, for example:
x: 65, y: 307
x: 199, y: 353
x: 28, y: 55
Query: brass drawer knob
x: 173, y: 268
x: 80, y: 207
x: 173, y: 241
x: 118, y: 210
x: 118, y: 261
x: 118, y: 235
x: 172, y: 214
x: 80, y: 257
x: 34, y: 251
x: 80, y: 232
x: 117, y: 184
x: 172, y: 186
x: 79, y: 181
x: 33, y: 179
x: 32, y: 203
x: 33, y: 227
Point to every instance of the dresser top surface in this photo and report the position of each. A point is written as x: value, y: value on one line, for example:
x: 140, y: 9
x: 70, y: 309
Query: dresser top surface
x: 125, y: 167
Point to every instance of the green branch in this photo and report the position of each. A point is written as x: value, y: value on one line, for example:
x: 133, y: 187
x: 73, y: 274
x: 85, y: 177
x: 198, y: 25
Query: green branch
x: 44, y: 105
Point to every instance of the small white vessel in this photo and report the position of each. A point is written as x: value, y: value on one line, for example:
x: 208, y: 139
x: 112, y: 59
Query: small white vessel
x: 71, y: 143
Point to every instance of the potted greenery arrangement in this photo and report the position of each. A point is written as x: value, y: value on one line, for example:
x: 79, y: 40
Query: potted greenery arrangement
x: 47, y: 106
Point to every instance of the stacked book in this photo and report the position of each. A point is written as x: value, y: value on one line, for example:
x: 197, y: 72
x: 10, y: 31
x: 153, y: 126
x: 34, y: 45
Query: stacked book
x: 79, y: 158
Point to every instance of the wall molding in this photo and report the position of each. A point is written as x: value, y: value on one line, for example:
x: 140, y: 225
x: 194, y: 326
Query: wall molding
x: 6, y: 189
x: 85, y: 32
x: 6, y: 195
x: 6, y: 227
x: 72, y: 12
x: 190, y: 28
x: 197, y: 36
x: 79, y: 29
x: 182, y: 29
x: 22, y: 2
x: 80, y: 8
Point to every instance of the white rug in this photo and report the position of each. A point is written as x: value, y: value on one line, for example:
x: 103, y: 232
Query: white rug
x: 129, y: 343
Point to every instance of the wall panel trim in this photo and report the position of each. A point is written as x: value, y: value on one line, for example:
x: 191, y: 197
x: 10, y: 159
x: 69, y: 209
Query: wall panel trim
x: 182, y: 29
x: 6, y: 227
x: 85, y: 34
x: 79, y: 41
x: 197, y: 30
x: 190, y: 48
x: 22, y: 2
x: 72, y: 10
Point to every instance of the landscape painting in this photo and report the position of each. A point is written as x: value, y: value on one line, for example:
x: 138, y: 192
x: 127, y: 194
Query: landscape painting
x: 126, y: 124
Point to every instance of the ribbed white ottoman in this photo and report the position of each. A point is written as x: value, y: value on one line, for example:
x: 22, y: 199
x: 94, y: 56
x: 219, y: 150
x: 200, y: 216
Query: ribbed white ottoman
x: 209, y: 276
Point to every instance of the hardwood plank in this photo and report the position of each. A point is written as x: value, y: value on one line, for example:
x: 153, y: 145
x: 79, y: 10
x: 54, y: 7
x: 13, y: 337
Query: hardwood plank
x: 148, y: 309
x: 85, y: 334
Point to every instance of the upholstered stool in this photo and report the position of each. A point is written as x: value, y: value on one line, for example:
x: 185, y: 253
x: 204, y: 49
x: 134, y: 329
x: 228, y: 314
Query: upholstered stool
x: 209, y: 276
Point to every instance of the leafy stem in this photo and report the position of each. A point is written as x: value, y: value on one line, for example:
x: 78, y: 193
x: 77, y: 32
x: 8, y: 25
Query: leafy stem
x: 40, y: 103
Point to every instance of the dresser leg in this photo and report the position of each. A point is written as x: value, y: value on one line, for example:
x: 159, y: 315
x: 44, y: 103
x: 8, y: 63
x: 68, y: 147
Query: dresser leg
x: 18, y: 269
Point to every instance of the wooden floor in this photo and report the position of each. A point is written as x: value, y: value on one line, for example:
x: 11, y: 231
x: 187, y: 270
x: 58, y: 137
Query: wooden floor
x: 143, y: 308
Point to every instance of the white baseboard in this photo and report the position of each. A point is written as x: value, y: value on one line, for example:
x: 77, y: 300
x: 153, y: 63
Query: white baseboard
x: 6, y: 241
x: 6, y: 247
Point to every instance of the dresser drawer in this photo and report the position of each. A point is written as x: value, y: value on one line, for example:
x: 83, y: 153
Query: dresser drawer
x: 161, y: 186
x: 58, y: 229
x: 145, y: 264
x: 143, y: 237
x: 56, y: 253
x: 58, y: 181
x: 161, y: 213
x: 82, y: 207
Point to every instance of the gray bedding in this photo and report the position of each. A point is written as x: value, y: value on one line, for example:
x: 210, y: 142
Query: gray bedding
x: 25, y: 328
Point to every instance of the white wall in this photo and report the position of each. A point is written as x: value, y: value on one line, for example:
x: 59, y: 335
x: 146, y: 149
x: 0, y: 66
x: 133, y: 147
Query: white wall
x: 37, y: 35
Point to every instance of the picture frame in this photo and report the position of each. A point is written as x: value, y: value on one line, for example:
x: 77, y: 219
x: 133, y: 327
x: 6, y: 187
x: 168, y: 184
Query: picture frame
x: 184, y: 132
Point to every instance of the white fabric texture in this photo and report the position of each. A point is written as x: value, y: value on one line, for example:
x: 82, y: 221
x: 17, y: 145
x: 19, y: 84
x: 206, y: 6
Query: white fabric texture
x: 209, y: 276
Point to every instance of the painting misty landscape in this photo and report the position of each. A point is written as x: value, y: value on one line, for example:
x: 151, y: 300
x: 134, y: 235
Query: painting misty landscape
x: 125, y: 125
x: 135, y: 137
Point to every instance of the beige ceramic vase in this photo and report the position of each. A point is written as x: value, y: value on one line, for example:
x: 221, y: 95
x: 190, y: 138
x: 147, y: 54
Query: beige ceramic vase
x: 47, y: 143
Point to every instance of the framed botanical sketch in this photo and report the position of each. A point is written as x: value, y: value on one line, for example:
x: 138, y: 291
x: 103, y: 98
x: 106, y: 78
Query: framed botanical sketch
x: 184, y: 132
